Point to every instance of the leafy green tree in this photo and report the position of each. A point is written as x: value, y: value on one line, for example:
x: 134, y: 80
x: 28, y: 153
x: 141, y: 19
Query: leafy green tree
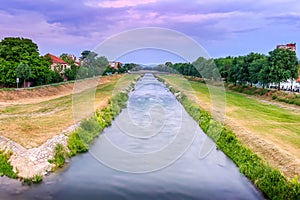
x: 84, y: 54
x: 20, y: 50
x: 256, y: 68
x: 224, y: 64
x: 71, y: 73
x: 83, y: 72
x: 94, y: 63
x: 264, y: 74
x: 234, y: 71
x: 67, y: 58
x: 56, y: 77
x: 23, y: 71
x: 283, y: 65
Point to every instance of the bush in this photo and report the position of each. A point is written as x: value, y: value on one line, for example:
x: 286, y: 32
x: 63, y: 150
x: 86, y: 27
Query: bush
x: 34, y: 180
x: 5, y: 167
x: 60, y: 155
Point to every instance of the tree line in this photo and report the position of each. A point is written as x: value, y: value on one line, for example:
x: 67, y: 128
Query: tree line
x: 278, y: 66
x: 20, y: 59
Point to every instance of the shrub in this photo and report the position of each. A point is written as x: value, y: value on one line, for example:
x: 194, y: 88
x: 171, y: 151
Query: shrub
x: 34, y: 180
x: 60, y: 155
x: 5, y: 167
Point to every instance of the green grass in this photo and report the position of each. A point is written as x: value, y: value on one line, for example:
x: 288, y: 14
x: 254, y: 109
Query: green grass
x: 268, y: 179
x: 262, y: 118
x: 267, y: 120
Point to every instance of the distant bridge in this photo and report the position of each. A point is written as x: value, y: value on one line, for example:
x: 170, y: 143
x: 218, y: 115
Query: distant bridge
x: 147, y: 71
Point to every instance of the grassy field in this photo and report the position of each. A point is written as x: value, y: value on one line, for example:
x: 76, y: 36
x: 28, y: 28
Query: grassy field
x: 274, y: 124
x: 32, y: 124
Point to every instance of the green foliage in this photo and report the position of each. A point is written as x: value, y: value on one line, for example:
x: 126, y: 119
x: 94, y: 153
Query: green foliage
x: 95, y: 64
x: 60, y: 155
x: 67, y: 58
x: 283, y: 65
x: 55, y: 77
x: 14, y: 51
x: 23, y: 71
x: 80, y: 139
x: 34, y: 180
x: 5, y: 167
x: 76, y: 144
x: 71, y: 73
x: 269, y: 180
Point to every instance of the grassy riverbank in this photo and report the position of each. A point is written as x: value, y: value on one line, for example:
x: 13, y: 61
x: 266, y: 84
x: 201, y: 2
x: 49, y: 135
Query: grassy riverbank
x: 32, y: 124
x: 81, y: 138
x: 268, y: 179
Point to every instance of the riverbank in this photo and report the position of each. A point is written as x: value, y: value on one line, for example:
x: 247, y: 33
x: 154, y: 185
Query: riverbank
x: 267, y: 178
x: 29, y: 162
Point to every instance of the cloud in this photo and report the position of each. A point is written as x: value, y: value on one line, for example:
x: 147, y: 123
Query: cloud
x: 118, y: 3
x: 85, y: 23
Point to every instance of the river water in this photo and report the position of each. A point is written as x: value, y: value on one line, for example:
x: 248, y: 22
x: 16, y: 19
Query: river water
x: 151, y: 151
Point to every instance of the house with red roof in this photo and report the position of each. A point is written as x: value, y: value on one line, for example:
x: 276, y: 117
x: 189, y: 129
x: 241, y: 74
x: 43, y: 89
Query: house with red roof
x: 58, y: 64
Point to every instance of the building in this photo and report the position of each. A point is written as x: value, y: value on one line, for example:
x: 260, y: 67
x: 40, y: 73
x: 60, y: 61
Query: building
x: 115, y: 65
x: 58, y: 64
x: 290, y: 46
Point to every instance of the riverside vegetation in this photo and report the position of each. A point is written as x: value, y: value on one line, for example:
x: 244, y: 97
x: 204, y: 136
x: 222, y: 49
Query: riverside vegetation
x: 268, y: 179
x: 81, y: 138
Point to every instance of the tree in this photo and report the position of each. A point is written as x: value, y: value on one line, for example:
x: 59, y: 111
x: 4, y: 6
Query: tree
x: 23, y: 71
x: 71, y: 73
x: 234, y: 73
x: 264, y: 74
x: 283, y: 65
x: 256, y: 68
x: 20, y: 50
x: 224, y: 64
x: 84, y: 54
x: 67, y: 58
x: 251, y: 70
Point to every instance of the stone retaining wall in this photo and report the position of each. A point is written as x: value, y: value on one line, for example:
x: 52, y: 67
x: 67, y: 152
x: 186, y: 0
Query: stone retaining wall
x: 31, y: 162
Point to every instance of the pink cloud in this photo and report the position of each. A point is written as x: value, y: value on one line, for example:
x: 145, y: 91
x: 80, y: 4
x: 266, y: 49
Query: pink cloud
x: 119, y: 3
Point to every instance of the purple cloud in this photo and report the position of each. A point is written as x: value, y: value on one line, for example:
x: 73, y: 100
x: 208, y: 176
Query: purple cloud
x: 72, y: 26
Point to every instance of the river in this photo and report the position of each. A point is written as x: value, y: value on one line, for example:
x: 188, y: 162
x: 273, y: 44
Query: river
x: 151, y: 151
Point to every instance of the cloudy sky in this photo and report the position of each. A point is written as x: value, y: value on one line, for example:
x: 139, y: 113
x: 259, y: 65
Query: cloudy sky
x: 222, y: 27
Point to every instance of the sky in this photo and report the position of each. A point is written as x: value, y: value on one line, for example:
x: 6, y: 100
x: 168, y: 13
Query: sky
x: 221, y: 27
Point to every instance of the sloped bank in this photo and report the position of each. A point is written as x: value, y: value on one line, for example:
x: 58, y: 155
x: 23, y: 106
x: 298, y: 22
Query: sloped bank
x: 30, y: 165
x: 268, y: 179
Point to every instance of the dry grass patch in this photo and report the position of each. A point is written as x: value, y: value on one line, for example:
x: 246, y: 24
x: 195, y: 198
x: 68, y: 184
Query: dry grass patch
x: 32, y: 124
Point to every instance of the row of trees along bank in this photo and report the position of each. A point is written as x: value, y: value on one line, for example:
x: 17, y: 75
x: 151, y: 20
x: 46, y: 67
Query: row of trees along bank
x: 280, y: 65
